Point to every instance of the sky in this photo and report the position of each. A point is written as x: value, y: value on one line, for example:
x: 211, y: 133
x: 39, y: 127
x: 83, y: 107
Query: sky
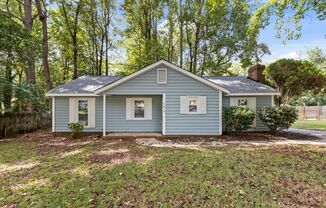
x: 313, y: 34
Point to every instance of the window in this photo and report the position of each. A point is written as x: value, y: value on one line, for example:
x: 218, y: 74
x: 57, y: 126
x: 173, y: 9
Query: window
x: 161, y: 76
x: 193, y: 105
x: 83, y: 112
x: 242, y: 102
x: 139, y: 109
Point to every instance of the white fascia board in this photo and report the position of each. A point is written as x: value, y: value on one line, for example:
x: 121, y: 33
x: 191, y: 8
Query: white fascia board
x: 70, y: 95
x: 172, y: 66
x: 253, y: 94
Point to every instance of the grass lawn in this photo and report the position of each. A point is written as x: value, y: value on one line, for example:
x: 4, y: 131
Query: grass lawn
x: 56, y: 172
x: 311, y: 124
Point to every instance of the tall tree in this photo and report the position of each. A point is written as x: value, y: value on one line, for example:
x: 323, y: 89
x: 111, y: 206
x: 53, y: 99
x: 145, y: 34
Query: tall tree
x: 43, y: 16
x: 71, y: 12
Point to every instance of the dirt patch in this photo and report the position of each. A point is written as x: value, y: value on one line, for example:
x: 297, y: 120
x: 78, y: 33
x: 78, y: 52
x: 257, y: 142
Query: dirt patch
x: 119, y: 155
x: 115, y: 158
x: 300, y: 194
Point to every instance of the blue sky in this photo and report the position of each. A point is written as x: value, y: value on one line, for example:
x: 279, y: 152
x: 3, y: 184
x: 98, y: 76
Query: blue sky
x: 312, y: 35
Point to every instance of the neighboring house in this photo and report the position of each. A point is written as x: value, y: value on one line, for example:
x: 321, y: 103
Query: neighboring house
x: 161, y: 97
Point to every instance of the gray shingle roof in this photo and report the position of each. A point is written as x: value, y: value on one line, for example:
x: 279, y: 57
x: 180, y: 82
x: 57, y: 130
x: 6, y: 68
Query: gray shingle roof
x: 84, y: 84
x: 88, y: 84
x: 240, y: 84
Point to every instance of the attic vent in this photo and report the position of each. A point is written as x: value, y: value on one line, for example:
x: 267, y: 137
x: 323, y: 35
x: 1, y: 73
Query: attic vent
x: 162, y: 76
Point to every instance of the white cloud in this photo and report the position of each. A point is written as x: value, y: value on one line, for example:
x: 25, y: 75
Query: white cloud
x: 292, y: 55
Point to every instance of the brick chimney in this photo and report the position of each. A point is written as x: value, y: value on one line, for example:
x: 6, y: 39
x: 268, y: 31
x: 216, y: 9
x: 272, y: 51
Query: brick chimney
x: 256, y: 73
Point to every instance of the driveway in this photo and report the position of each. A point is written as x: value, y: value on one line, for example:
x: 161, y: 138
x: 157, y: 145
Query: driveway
x: 316, y: 133
x: 318, y: 138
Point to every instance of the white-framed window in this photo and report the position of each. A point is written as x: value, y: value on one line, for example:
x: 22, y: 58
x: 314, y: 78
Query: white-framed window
x: 82, y: 110
x: 193, y: 104
x: 162, y: 76
x: 247, y: 101
x: 139, y: 108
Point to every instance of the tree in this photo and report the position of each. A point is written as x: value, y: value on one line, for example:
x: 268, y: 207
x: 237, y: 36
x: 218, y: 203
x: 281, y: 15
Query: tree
x: 298, y: 10
x: 15, y: 46
x: 71, y: 12
x: 43, y: 16
x: 317, y: 57
x: 293, y: 77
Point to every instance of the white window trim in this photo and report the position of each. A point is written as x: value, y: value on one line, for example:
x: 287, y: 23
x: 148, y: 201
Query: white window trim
x: 199, y: 108
x: 91, y: 122
x: 132, y: 110
x: 77, y: 111
x: 166, y: 75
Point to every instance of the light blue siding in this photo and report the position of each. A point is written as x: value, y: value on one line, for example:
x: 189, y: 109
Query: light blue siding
x: 261, y: 101
x: 177, y: 85
x: 62, y: 115
x: 116, y: 116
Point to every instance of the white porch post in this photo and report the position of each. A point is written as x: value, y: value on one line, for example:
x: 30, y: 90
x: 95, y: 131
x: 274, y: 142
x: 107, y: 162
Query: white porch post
x: 53, y: 114
x: 104, y: 114
x: 163, y: 112
x: 220, y: 112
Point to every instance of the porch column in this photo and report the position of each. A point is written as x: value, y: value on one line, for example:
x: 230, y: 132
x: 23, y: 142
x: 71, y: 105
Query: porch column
x: 104, y: 114
x: 163, y: 112
x: 220, y: 111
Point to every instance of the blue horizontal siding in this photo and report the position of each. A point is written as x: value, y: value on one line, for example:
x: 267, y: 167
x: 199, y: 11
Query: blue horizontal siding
x: 116, y: 116
x: 177, y: 85
x: 62, y: 115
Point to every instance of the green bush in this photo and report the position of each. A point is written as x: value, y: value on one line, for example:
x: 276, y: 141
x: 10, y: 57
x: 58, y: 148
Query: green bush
x: 278, y: 118
x: 75, y: 129
x: 238, y: 118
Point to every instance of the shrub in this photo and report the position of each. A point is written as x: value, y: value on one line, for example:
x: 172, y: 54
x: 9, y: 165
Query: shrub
x: 277, y: 118
x: 238, y: 118
x: 76, y: 129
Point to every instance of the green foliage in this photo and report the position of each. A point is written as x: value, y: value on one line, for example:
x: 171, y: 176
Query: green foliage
x: 294, y: 77
x: 317, y: 57
x: 287, y: 13
x: 76, y: 129
x: 238, y: 118
x: 278, y: 118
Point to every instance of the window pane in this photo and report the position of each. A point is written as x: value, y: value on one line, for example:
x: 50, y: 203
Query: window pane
x: 242, y: 102
x: 192, y: 105
x: 139, y: 108
x: 83, y: 112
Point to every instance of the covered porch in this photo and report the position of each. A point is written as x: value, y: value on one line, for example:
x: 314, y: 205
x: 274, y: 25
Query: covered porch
x: 129, y: 115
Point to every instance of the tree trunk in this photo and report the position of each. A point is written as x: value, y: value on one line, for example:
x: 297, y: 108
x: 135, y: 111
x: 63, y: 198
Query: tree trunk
x: 28, y: 23
x: 106, y: 55
x: 45, y: 46
x: 75, y: 49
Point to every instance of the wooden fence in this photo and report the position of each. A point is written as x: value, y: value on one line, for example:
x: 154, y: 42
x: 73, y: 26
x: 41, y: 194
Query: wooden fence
x: 311, y: 112
x: 14, y: 123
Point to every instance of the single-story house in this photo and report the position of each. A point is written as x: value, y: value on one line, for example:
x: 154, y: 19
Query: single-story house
x: 161, y: 97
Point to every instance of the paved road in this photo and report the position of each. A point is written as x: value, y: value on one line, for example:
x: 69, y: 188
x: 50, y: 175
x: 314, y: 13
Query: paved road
x: 319, y: 134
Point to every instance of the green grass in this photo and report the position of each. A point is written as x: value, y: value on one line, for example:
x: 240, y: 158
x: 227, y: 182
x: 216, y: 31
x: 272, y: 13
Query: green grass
x: 311, y: 124
x: 104, y: 173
